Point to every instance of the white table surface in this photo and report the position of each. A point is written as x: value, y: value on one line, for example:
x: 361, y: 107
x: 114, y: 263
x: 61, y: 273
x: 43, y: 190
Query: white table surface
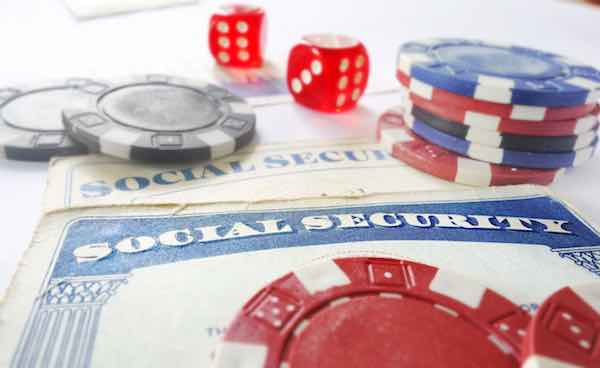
x: 40, y: 40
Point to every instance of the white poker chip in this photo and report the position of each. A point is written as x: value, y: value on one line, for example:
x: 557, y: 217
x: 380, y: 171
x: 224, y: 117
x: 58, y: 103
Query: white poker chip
x: 30, y: 118
x: 163, y: 118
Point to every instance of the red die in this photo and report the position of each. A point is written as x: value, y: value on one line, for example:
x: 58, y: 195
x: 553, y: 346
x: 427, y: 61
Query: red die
x: 328, y: 72
x: 237, y: 36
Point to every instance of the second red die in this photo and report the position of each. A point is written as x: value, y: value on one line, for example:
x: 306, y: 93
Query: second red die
x: 237, y: 36
x: 328, y: 72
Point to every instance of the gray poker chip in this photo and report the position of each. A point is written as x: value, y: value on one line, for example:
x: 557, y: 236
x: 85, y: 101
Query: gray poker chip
x: 163, y: 119
x: 30, y: 118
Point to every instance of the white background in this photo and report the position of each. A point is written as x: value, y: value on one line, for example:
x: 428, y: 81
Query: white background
x: 40, y: 40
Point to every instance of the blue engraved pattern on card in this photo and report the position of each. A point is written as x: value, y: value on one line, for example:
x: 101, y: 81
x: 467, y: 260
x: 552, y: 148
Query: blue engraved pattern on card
x: 112, y: 230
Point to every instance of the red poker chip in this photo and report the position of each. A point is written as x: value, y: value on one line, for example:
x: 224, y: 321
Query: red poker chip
x: 519, y: 127
x: 408, y: 147
x: 374, y: 312
x: 565, y: 331
x: 515, y: 112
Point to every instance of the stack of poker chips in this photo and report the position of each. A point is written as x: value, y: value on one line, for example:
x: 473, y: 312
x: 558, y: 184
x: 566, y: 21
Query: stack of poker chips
x: 485, y: 114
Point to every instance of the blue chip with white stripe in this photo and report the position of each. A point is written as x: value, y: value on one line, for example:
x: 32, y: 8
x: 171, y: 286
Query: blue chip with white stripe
x: 522, y: 159
x: 162, y: 118
x: 500, y: 73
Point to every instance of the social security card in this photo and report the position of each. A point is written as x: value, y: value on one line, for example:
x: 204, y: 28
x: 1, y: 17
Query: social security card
x: 155, y: 286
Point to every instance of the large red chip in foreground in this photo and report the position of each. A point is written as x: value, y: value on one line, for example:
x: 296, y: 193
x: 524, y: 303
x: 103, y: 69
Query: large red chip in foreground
x: 374, y: 312
x: 565, y: 332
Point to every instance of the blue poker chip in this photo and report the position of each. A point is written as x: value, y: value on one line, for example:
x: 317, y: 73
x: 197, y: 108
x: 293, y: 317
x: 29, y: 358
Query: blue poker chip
x: 533, y: 160
x: 499, y: 73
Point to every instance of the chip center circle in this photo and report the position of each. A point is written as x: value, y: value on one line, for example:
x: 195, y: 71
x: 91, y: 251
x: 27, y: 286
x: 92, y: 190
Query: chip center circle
x: 162, y: 108
x: 497, y: 61
x: 41, y: 110
x: 392, y: 331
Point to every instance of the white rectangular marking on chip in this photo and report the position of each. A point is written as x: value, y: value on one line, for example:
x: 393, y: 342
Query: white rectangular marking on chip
x: 301, y: 327
x: 492, y: 94
x: 496, y: 82
x: 339, y: 301
x: 476, y: 118
x: 391, y: 295
x: 241, y: 108
x: 504, y: 347
x: 584, y: 140
x: 220, y: 143
x: 494, y: 89
x: 488, y: 137
x: 489, y: 154
x: 409, y: 120
x: 537, y: 361
x: 457, y: 287
x: 421, y: 89
x: 582, y: 156
x: 322, y: 276
x: 586, y: 123
x: 475, y: 172
x: 403, y: 66
x: 411, y: 276
x: 389, y: 137
x: 117, y: 141
x: 446, y: 310
x: 240, y: 355
x: 531, y: 113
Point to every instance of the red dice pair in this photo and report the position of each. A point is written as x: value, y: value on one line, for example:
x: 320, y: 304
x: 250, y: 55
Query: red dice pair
x: 328, y: 72
x: 237, y: 35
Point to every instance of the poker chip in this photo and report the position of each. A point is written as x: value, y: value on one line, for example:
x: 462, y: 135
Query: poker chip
x: 30, y: 118
x: 163, y: 118
x: 565, y: 331
x: 440, y: 96
x: 494, y: 123
x: 498, y: 155
x: 420, y: 154
x: 374, y: 312
x: 514, y: 142
x: 504, y: 74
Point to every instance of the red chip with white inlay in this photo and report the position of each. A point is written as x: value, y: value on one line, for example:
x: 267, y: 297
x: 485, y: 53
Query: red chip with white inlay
x: 328, y: 72
x: 237, y: 35
x: 565, y: 332
x: 374, y: 312
x: 415, y: 151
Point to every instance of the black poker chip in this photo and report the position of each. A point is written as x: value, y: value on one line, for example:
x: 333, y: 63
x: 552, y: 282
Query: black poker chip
x: 161, y: 118
x: 514, y: 142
